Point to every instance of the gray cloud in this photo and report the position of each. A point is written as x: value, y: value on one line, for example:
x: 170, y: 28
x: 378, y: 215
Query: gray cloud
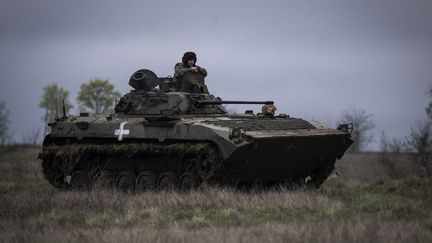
x: 314, y: 58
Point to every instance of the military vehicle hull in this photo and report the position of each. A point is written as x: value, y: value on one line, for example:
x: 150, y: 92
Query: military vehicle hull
x: 220, y: 149
x: 284, y: 158
x: 179, y: 136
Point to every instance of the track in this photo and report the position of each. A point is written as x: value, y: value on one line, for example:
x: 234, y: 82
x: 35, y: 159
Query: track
x: 130, y: 167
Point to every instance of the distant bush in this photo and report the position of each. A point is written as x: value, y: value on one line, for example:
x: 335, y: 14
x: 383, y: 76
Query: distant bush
x: 4, y: 123
x: 32, y: 137
x: 390, y: 149
x: 420, y: 141
x: 362, y: 125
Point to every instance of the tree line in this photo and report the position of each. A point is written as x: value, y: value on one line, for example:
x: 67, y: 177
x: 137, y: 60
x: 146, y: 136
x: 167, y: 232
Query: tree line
x: 418, y: 142
x: 97, y: 95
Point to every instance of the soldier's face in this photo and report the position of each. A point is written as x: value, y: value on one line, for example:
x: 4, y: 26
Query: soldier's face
x: 191, y: 63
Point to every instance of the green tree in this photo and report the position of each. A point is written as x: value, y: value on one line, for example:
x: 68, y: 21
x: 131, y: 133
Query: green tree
x: 4, y: 123
x: 98, y: 95
x: 52, y: 101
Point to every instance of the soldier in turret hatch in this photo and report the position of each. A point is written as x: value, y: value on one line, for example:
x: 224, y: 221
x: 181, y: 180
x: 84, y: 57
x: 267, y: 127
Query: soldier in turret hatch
x: 188, y: 76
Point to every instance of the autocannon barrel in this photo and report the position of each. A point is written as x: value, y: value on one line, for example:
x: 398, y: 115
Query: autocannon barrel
x: 221, y: 102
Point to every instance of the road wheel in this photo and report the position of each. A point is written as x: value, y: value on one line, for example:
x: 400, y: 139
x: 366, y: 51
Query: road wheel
x: 167, y: 180
x: 52, y: 169
x: 203, y: 164
x: 125, y: 181
x: 146, y: 181
x: 187, y: 181
x: 79, y: 181
x: 103, y: 179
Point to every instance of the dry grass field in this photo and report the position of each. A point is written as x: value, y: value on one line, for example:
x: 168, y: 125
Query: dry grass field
x: 371, y: 198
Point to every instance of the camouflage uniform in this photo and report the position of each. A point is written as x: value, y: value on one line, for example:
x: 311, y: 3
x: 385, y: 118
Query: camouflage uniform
x: 183, y: 81
x: 179, y: 70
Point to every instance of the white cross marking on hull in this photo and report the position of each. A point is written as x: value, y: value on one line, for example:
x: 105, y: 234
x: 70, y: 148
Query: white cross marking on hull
x: 121, y: 132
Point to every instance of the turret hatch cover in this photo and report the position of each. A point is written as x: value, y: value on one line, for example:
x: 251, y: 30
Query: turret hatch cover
x: 144, y: 79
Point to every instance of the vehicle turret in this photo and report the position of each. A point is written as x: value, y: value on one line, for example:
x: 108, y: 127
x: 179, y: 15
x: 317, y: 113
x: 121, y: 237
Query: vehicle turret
x: 158, y: 96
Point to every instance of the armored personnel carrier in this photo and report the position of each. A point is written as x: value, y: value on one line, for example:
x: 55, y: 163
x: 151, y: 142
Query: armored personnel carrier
x: 171, y: 134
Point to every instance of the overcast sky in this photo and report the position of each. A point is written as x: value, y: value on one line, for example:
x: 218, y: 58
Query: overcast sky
x: 313, y: 58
